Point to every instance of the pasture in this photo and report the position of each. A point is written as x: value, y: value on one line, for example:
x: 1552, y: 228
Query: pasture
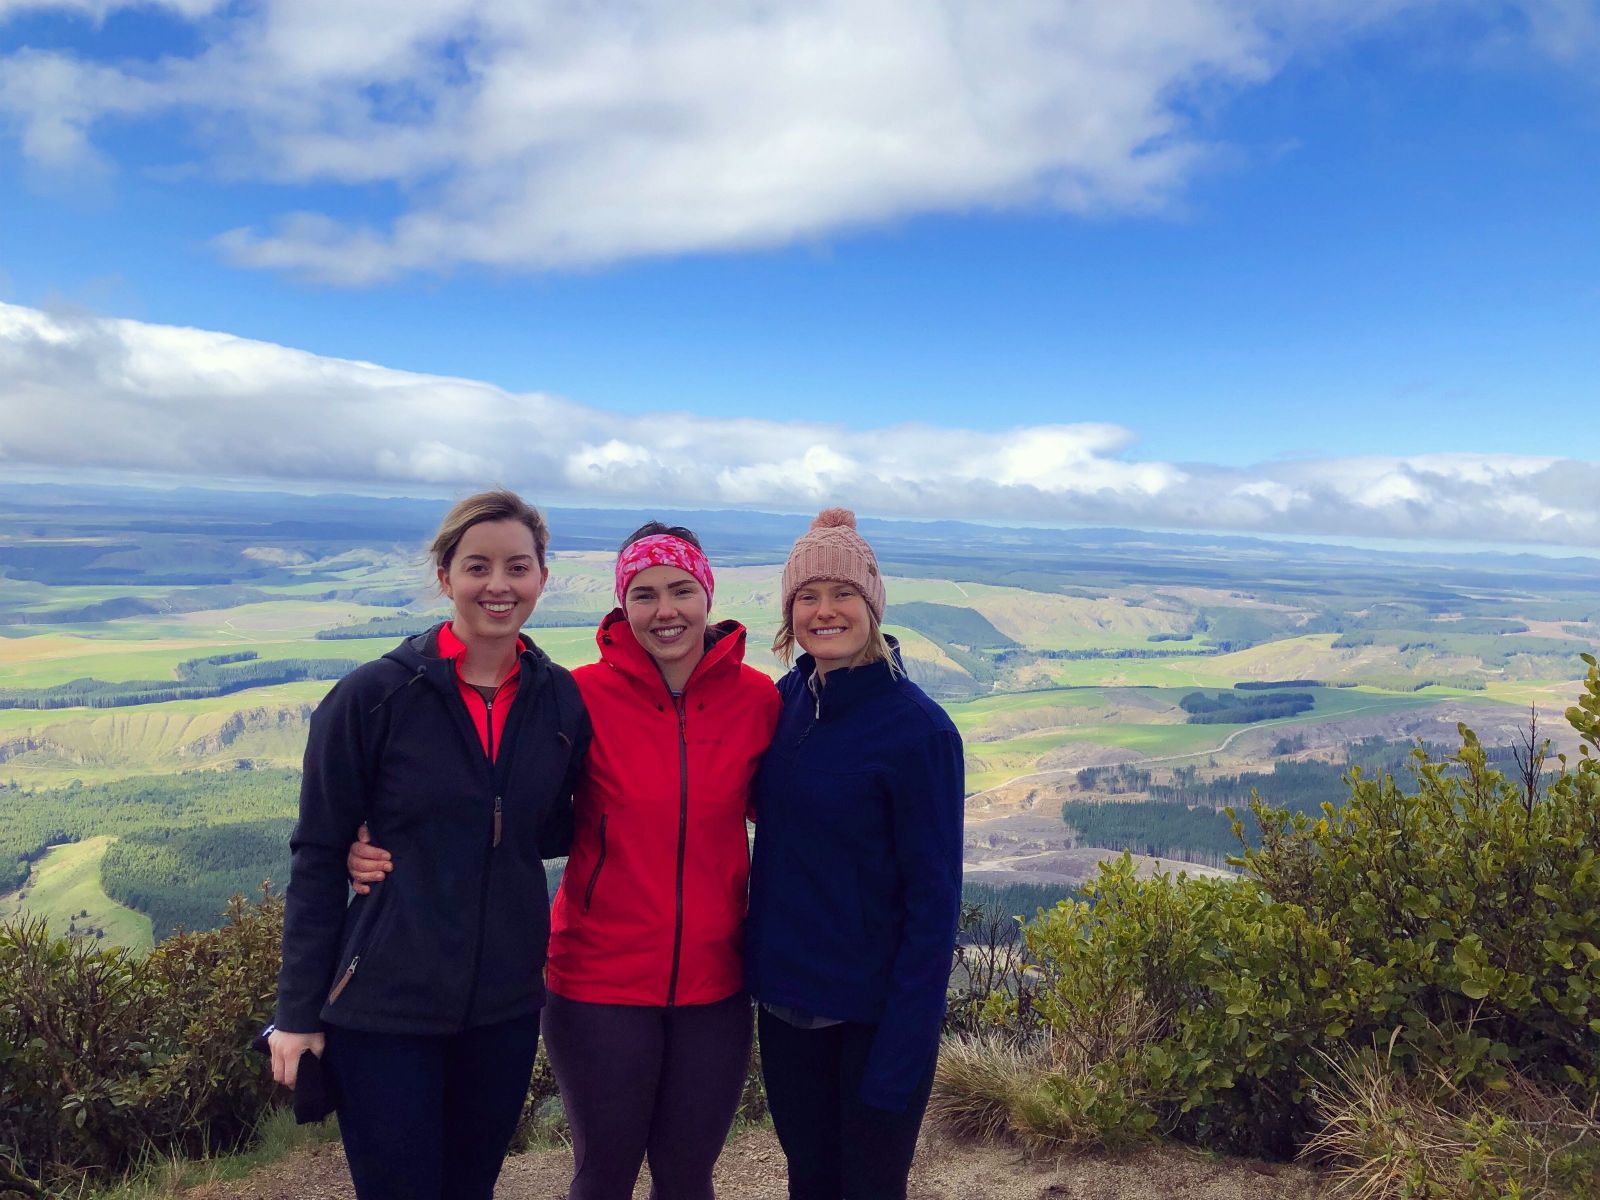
x: 1050, y: 654
x: 64, y: 888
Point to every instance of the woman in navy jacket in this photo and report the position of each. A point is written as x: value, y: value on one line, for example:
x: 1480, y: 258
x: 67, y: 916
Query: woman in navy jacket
x: 856, y: 882
x: 460, y: 748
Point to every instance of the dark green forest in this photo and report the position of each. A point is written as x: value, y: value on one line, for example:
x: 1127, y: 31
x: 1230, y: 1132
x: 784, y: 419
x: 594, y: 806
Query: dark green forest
x: 197, y: 679
x: 1228, y: 707
x: 1182, y: 819
x: 170, y: 804
x: 945, y: 623
x: 1009, y: 902
x: 182, y: 878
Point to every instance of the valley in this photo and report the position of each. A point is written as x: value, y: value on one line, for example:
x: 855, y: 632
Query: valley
x: 1061, y: 656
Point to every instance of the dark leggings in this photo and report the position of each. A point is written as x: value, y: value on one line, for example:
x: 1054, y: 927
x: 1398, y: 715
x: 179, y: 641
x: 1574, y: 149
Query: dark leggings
x: 641, y: 1081
x: 429, y: 1117
x: 838, y: 1148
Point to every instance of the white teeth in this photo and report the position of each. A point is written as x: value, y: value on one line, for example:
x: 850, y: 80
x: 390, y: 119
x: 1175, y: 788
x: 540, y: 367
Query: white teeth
x: 828, y: 632
x: 669, y: 634
x: 499, y: 608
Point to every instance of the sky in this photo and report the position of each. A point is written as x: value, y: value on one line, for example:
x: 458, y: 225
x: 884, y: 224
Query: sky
x: 1310, y: 267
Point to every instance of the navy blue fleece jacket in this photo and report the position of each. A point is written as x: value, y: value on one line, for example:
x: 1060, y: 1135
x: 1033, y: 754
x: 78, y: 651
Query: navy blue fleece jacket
x: 856, y: 884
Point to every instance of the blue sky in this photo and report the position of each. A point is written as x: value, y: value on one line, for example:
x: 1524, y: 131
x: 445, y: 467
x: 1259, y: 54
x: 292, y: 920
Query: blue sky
x: 1334, y: 273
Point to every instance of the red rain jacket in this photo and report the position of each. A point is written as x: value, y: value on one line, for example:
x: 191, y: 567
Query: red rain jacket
x: 651, y: 908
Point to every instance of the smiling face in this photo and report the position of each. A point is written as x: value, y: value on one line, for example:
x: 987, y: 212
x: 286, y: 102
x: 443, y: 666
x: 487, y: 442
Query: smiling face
x: 832, y: 623
x: 494, y: 580
x: 666, y: 610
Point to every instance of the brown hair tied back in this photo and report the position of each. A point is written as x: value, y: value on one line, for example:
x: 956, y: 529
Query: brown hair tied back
x: 498, y: 505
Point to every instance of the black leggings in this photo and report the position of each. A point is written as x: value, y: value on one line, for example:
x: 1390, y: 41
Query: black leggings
x: 838, y: 1147
x: 429, y: 1117
x: 643, y: 1081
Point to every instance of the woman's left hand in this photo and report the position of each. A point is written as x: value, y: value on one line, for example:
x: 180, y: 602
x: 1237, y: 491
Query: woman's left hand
x: 366, y: 864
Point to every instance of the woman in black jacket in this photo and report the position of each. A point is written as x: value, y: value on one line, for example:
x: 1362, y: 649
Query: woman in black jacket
x: 459, y: 749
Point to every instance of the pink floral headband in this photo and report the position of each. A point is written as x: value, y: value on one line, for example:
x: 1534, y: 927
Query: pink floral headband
x: 663, y: 550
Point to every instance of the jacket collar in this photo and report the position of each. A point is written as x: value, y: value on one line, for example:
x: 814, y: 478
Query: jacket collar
x: 423, y: 656
x: 725, y: 642
x: 845, y: 688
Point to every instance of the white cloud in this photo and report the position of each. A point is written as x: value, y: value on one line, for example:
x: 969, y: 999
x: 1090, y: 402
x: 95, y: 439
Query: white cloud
x: 99, y: 10
x: 537, y: 134
x: 80, y: 392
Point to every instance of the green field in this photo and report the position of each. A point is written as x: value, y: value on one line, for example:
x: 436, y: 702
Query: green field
x: 65, y: 883
x: 1063, y: 718
x: 70, y: 658
x: 1042, y: 691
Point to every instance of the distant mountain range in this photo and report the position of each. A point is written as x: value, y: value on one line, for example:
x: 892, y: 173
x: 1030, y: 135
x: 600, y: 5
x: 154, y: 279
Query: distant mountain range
x: 734, y: 534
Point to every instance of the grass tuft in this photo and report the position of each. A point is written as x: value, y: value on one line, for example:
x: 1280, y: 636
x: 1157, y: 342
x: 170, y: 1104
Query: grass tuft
x: 160, y: 1175
x: 1387, y: 1135
x: 1045, y: 1095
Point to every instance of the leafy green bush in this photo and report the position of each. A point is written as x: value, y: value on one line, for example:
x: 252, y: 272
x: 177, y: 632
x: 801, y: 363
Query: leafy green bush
x: 1456, y: 923
x: 106, y: 1057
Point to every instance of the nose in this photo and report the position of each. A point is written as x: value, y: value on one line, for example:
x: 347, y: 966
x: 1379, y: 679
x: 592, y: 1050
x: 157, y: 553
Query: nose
x: 666, y: 606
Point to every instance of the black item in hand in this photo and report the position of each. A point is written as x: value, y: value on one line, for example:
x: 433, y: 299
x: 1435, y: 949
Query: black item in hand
x: 313, y: 1091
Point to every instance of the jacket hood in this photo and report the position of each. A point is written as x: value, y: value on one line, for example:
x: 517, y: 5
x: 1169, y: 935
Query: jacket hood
x: 724, y: 647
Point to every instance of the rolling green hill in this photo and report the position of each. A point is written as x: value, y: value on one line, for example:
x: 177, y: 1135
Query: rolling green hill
x: 1052, y: 649
x: 65, y: 888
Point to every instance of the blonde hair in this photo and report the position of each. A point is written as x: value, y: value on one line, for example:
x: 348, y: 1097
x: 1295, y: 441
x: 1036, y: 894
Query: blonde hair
x: 877, y: 648
x: 498, y: 505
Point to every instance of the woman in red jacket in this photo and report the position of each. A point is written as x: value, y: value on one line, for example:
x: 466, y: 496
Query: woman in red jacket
x: 647, y: 1024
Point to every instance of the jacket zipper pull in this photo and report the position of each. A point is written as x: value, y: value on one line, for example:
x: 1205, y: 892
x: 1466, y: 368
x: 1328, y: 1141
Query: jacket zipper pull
x: 344, y: 980
x: 497, y: 820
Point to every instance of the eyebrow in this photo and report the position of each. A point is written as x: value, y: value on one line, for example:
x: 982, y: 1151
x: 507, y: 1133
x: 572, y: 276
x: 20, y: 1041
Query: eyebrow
x: 485, y: 558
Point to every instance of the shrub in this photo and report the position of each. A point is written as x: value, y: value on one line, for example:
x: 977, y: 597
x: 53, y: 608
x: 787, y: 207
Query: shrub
x: 1456, y: 922
x: 989, y: 974
x: 108, y: 1058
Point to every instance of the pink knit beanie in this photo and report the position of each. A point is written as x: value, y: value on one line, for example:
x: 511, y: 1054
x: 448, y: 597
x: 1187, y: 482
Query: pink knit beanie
x: 832, y: 550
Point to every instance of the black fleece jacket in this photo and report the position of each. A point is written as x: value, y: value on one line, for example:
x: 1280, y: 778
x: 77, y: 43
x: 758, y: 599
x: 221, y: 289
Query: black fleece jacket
x: 456, y: 937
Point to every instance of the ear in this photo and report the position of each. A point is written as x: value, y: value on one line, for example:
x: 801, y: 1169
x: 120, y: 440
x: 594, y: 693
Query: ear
x: 544, y: 576
x: 444, y: 583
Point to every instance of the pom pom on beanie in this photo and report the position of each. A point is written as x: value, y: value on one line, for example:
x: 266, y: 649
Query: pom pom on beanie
x: 834, y: 518
x: 832, y: 550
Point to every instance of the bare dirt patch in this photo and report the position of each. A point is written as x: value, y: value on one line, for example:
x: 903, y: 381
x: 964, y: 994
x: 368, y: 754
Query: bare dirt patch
x: 1038, y: 848
x: 752, y: 1168
x: 1495, y: 725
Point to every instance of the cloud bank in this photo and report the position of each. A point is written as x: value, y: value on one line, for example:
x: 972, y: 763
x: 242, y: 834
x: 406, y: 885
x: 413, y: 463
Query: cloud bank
x: 81, y: 392
x: 537, y: 134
